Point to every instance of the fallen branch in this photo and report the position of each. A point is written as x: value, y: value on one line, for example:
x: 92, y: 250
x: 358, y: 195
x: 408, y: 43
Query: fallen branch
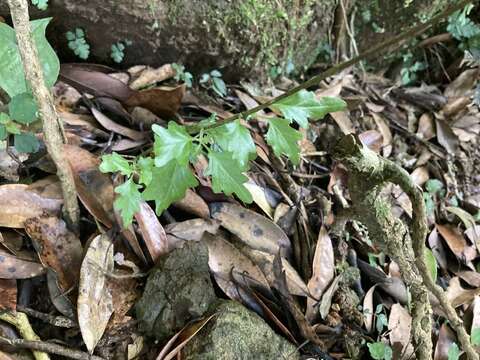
x: 52, y: 125
x: 368, y: 174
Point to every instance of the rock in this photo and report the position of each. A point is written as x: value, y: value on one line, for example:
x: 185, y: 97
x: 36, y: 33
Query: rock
x: 239, y: 37
x: 178, y: 290
x: 237, y: 333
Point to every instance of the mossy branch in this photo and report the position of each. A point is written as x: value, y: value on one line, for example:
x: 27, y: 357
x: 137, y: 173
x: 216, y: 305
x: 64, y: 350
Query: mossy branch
x: 368, y: 174
x: 385, y: 47
x: 52, y: 125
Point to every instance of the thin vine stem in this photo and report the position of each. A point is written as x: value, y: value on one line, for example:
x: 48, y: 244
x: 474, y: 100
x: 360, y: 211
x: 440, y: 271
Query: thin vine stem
x: 395, y: 42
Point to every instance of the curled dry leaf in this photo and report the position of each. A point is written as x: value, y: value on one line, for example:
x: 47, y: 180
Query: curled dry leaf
x: 323, y: 271
x: 295, y: 284
x: 255, y: 230
x: 225, y: 260
x: 12, y: 267
x: 152, y: 231
x: 111, y: 125
x: 95, y: 305
x: 163, y: 102
x: 368, y: 310
x: 18, y: 203
x: 58, y: 248
x: 457, y: 295
x: 259, y: 197
x: 8, y: 300
x: 94, y: 188
x: 457, y: 243
x: 400, y: 326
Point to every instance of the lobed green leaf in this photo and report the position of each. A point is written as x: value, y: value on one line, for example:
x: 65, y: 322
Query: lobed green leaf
x: 172, y: 143
x: 128, y: 201
x: 284, y: 139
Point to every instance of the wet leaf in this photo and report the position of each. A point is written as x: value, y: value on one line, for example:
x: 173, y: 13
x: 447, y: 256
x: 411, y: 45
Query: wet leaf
x: 18, y: 204
x: 255, y: 230
x: 152, y: 231
x: 323, y: 272
x: 95, y: 304
x: 12, y: 267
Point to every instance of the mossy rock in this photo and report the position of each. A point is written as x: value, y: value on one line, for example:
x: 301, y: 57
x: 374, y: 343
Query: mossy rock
x: 178, y: 290
x: 236, y: 333
x: 239, y: 37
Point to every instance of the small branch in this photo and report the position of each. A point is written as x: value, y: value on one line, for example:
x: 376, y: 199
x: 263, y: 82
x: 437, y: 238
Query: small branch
x: 48, y: 347
x: 375, y: 51
x: 52, y: 125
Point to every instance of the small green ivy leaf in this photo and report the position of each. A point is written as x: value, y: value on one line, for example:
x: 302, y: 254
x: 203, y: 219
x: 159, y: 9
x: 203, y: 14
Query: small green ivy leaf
x: 171, y: 143
x: 433, y: 186
x: 171, y: 182
x: 235, y: 138
x: 381, y: 322
x: 40, y: 4
x: 115, y: 162
x: 431, y: 263
x: 26, y: 143
x: 128, y: 201
x: 303, y: 105
x: 284, y: 139
x: 145, y: 166
x: 23, y: 108
x: 219, y: 86
x: 453, y: 352
x: 380, y: 351
x: 227, y: 176
x: 3, y: 132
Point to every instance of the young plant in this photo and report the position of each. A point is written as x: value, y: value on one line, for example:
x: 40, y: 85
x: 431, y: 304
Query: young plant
x: 466, y: 31
x: 214, y: 81
x: 165, y: 176
x: 380, y: 351
x: 78, y: 44
x: 182, y: 75
x: 118, y: 50
x: 410, y: 69
x: 22, y: 109
x: 40, y: 4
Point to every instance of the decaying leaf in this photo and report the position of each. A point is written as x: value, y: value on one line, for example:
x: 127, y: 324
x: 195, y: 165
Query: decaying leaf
x: 323, y: 271
x: 255, y: 230
x: 152, y: 231
x: 18, y: 204
x: 94, y: 188
x: 12, y: 267
x: 8, y: 300
x: 95, y: 305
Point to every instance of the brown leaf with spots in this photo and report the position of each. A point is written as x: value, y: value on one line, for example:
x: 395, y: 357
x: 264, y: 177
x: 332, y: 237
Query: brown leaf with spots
x: 8, y: 300
x: 94, y: 188
x: 323, y: 272
x: 152, y: 231
x: 253, y: 229
x: 12, y: 267
x: 58, y: 248
x: 95, y: 304
x: 18, y: 203
x: 163, y: 102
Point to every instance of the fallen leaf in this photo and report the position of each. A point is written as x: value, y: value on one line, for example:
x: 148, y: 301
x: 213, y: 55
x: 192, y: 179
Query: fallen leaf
x: 456, y: 242
x: 19, y: 204
x: 446, y: 338
x: 193, y: 203
x: 111, y: 125
x: 162, y: 102
x: 400, y: 326
x: 259, y: 197
x: 445, y: 136
x: 48, y: 187
x: 8, y: 166
x: 152, y: 231
x: 94, y: 188
x: 386, y: 133
x: 454, y: 106
x: 126, y: 144
x: 8, y: 300
x: 462, y: 84
x: 95, y: 305
x: 150, y: 76
x: 472, y: 278
x: 368, y: 310
x: 457, y: 295
x: 438, y: 249
x: 323, y: 272
x: 372, y: 139
x: 426, y: 127
x: 343, y: 121
x: 326, y: 302
x: 12, y: 267
x: 192, y: 230
x: 255, y: 230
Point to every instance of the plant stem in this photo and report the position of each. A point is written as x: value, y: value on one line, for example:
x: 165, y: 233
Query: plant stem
x: 52, y: 125
x: 375, y: 51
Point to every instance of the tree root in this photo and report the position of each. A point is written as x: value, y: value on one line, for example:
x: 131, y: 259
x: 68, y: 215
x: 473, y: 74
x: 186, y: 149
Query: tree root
x: 368, y: 173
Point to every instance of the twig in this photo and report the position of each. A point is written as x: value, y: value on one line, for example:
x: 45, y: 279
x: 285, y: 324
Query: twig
x: 48, y: 347
x: 375, y: 51
x: 59, y: 321
x: 52, y: 125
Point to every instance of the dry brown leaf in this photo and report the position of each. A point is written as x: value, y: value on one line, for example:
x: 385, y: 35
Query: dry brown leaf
x: 343, y: 121
x: 462, y: 84
x: 150, y: 76
x: 111, y: 125
x: 457, y: 295
x: 163, y: 102
x: 426, y: 127
x: 94, y: 188
x: 18, y: 203
x: 446, y: 338
x: 253, y: 229
x: 372, y: 139
x: 8, y: 166
x: 386, y: 133
x: 11, y: 267
x: 225, y: 260
x: 58, y: 249
x: 192, y: 230
x: 323, y: 271
x: 152, y: 231
x: 454, y: 106
x: 457, y: 243
x: 472, y: 278
x: 48, y: 187
x: 8, y: 300
x: 259, y: 197
x: 194, y: 204
x: 95, y: 305
x: 438, y: 249
x: 445, y: 136
x: 400, y: 325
